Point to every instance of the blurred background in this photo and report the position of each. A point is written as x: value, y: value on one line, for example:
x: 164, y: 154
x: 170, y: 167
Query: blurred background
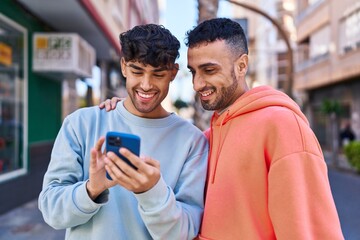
x: 58, y: 56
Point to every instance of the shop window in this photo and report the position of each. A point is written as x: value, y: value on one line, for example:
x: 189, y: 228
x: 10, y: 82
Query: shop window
x: 13, y: 88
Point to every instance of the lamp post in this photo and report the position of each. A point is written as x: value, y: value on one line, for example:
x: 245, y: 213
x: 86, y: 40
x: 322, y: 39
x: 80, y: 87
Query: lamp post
x: 289, y: 70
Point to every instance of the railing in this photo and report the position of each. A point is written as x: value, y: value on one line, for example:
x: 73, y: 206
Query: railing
x: 304, y: 60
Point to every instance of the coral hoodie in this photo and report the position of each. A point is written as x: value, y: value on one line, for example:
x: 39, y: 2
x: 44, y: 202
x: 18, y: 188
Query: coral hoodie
x: 267, y: 178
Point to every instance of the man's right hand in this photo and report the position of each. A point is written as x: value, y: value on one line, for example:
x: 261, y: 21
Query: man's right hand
x: 110, y: 104
x: 98, y: 182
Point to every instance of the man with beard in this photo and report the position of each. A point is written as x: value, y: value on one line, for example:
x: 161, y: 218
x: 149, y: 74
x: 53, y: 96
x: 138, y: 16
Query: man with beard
x: 267, y: 178
x: 163, y: 197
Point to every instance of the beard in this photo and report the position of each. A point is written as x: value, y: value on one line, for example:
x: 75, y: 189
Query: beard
x: 224, y: 98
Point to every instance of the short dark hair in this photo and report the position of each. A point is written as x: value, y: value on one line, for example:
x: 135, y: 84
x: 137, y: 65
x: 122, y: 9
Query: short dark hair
x: 218, y: 29
x: 150, y: 44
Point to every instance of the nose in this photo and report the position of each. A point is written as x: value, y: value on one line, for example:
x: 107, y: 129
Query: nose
x: 146, y: 83
x: 198, y: 83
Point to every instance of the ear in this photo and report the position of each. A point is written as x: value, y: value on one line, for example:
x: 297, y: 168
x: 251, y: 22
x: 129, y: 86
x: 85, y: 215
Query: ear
x: 241, y: 65
x: 123, y: 66
x: 174, y: 71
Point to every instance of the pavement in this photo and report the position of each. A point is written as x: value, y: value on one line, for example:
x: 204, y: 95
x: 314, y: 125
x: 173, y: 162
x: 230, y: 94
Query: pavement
x: 342, y: 162
x: 26, y: 222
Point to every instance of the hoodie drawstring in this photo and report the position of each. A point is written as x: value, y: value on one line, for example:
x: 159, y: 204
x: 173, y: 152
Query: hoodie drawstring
x: 221, y: 143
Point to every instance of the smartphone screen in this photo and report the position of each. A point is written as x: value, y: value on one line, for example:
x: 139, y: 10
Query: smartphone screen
x: 116, y: 140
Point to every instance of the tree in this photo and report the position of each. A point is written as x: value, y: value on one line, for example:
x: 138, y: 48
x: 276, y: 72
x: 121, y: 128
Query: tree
x: 332, y: 109
x: 207, y: 10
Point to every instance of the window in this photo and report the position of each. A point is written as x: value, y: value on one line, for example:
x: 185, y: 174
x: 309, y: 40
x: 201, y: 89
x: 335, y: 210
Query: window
x: 349, y: 37
x: 13, y: 108
x: 320, y: 43
x: 312, y: 2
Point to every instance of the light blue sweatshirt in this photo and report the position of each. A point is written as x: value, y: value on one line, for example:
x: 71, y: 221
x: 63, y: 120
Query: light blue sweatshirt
x: 172, y: 209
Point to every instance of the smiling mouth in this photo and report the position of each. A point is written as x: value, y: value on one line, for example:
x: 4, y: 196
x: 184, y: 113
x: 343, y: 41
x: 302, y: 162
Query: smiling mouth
x: 206, y: 93
x: 146, y: 95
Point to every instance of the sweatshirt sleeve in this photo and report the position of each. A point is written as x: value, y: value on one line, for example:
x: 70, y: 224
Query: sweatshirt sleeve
x: 176, y: 213
x: 301, y: 205
x: 64, y: 201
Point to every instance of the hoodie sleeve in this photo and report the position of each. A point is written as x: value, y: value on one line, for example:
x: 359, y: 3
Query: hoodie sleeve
x: 64, y: 201
x: 301, y: 205
x: 176, y: 213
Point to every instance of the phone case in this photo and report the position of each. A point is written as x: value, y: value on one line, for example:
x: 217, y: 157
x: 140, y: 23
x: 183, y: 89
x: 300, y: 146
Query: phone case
x: 115, y: 140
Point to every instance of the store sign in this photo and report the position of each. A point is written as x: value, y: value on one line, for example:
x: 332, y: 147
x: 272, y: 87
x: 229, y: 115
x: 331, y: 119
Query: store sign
x: 62, y: 55
x: 5, y: 54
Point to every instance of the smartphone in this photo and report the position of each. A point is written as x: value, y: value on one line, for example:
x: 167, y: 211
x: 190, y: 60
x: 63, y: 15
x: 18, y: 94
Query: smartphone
x: 116, y: 140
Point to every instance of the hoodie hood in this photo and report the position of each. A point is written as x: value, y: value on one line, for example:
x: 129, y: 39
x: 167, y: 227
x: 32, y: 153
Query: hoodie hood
x: 266, y: 171
x: 255, y: 99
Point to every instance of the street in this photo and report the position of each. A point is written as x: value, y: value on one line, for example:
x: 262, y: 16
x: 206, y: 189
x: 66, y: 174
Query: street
x: 26, y: 223
x: 345, y: 187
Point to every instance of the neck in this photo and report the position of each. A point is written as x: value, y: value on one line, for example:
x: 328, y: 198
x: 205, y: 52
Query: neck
x: 158, y: 112
x: 219, y: 112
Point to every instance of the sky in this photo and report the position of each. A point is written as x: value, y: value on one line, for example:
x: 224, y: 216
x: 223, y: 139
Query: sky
x: 179, y: 17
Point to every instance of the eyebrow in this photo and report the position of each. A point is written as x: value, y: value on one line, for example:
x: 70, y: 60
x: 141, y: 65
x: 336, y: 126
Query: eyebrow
x: 204, y: 65
x: 160, y: 69
x: 134, y: 66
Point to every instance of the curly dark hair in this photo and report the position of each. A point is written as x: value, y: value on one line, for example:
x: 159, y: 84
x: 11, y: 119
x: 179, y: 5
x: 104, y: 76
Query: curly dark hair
x: 150, y: 44
x: 219, y: 29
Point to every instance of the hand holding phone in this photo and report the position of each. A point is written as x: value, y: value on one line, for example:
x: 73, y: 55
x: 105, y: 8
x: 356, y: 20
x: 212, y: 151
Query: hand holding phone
x: 116, y: 140
x: 135, y: 181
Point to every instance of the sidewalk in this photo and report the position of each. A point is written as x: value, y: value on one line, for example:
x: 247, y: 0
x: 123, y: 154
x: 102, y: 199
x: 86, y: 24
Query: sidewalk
x: 26, y: 223
x: 343, y: 164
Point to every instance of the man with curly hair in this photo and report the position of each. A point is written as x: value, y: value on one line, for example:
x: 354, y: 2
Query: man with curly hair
x: 163, y: 198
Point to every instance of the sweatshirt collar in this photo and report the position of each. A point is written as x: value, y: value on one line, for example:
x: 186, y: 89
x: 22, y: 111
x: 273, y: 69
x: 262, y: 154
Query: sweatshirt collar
x: 145, y: 122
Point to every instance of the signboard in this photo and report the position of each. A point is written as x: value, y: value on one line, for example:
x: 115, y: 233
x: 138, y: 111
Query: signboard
x: 62, y: 55
x: 5, y: 54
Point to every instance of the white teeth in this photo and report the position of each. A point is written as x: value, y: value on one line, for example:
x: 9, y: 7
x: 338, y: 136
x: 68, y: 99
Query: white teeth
x: 207, y: 93
x: 144, y: 95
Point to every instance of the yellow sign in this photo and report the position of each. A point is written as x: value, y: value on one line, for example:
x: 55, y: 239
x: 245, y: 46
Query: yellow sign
x: 41, y: 42
x: 5, y: 54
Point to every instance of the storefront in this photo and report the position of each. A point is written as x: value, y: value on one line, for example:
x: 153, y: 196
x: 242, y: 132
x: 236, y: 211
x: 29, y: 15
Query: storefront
x: 346, y: 95
x: 13, y: 91
x: 30, y: 109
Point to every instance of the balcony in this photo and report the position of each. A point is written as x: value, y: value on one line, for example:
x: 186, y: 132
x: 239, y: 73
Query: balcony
x: 312, y: 18
x: 311, y: 71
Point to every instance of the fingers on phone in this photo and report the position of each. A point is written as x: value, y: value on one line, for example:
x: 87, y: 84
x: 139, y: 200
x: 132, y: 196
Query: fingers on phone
x: 93, y: 153
x: 152, y: 162
x: 99, y: 143
x: 118, y: 164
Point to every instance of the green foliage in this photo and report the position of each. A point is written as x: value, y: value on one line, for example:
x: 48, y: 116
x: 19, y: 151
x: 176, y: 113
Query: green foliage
x: 352, y: 152
x: 331, y: 106
x: 180, y: 104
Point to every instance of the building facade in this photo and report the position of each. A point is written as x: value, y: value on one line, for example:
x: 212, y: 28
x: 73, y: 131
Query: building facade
x: 328, y: 62
x: 31, y: 90
x: 268, y: 50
